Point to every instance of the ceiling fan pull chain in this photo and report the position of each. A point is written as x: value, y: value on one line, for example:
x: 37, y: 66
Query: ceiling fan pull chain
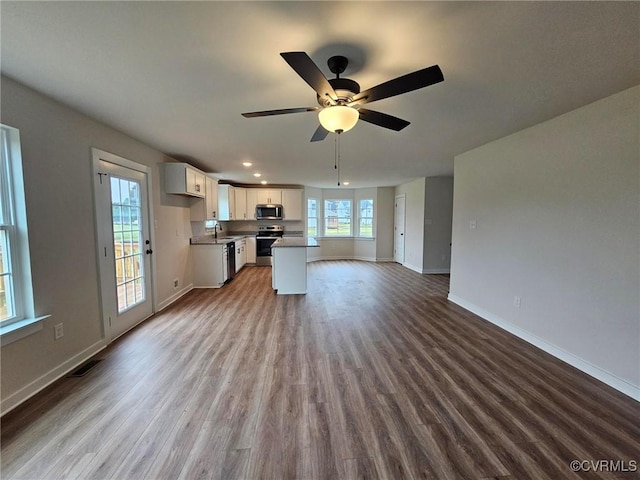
x: 338, y: 163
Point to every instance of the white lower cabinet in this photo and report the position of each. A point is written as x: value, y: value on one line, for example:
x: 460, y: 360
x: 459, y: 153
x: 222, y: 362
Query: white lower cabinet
x: 209, y: 265
x: 241, y: 254
x: 251, y: 249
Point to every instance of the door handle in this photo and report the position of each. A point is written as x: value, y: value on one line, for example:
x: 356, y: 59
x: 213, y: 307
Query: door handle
x: 149, y: 252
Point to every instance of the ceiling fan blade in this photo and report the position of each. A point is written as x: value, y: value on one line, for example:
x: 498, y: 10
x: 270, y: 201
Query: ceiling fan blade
x: 382, y: 119
x: 282, y: 111
x: 406, y: 83
x: 320, y: 134
x: 310, y: 73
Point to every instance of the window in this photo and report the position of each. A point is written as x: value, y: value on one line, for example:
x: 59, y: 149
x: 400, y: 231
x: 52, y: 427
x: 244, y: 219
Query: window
x: 10, y: 298
x: 312, y: 217
x: 337, y: 218
x: 365, y: 218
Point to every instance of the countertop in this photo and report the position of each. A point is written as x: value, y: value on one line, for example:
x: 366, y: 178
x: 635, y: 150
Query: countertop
x: 287, y: 242
x: 210, y: 240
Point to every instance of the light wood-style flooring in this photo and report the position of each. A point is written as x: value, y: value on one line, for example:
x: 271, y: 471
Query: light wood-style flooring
x: 372, y: 374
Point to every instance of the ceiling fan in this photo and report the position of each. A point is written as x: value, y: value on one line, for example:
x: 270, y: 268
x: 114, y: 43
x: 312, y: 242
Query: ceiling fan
x: 341, y: 100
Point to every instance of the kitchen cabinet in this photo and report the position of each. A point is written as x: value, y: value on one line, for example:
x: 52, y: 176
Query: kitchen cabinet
x: 252, y: 201
x: 209, y: 265
x: 251, y: 249
x: 269, y: 197
x: 183, y: 179
x: 206, y: 208
x: 241, y: 203
x: 241, y: 254
x: 292, y: 204
x: 226, y: 202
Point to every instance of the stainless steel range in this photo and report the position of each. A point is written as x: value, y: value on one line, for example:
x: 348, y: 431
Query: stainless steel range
x: 267, y: 234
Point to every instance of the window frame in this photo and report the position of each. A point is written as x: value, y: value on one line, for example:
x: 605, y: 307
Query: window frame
x: 9, y: 225
x: 326, y: 222
x: 360, y: 217
x: 317, y: 217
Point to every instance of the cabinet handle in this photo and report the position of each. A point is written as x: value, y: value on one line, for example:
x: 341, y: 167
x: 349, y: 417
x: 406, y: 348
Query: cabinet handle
x: 197, y: 188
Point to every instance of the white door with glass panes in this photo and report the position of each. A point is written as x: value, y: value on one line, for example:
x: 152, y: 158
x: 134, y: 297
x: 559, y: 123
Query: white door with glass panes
x: 125, y: 249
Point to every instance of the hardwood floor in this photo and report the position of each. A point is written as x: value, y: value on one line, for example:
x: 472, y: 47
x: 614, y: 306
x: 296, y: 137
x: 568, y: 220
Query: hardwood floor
x: 372, y: 374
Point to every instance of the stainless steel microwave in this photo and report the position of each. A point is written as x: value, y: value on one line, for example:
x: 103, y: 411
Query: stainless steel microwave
x: 269, y: 212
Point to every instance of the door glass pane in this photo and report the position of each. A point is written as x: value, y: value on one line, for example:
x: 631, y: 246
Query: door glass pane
x: 127, y: 238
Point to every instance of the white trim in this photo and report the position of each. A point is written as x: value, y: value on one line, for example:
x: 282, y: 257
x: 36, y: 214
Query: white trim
x: 165, y: 303
x: 596, y: 372
x: 13, y: 332
x: 97, y: 156
x: 412, y: 267
x: 29, y: 390
x: 432, y: 271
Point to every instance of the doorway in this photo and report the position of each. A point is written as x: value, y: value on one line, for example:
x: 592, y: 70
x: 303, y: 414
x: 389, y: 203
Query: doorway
x: 398, y: 229
x: 122, y: 206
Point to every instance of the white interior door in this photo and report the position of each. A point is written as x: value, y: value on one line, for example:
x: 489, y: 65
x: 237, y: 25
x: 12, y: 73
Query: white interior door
x: 124, y: 243
x: 398, y: 229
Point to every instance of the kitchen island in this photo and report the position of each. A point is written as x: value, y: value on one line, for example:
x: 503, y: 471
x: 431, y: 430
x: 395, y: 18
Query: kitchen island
x: 289, y: 267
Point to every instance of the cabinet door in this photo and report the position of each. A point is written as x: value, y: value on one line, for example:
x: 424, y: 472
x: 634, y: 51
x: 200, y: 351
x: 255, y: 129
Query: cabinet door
x: 195, y: 182
x: 211, y: 199
x: 226, y: 202
x: 251, y: 249
x: 252, y: 201
x: 240, y: 203
x: 275, y: 197
x: 292, y: 204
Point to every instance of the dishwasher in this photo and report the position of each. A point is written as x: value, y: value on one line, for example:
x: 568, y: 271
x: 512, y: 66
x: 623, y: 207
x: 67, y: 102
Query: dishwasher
x: 231, y: 260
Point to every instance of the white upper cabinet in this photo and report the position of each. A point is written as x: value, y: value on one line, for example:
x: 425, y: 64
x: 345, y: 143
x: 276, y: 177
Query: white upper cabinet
x: 183, y: 179
x: 206, y: 208
x: 252, y: 201
x: 226, y: 202
x: 269, y: 197
x: 241, y: 203
x: 292, y: 204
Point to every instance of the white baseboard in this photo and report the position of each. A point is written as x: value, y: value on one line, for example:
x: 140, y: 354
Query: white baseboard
x: 29, y: 390
x: 412, y: 267
x: 362, y: 259
x: 164, y: 304
x: 436, y: 271
x: 596, y: 372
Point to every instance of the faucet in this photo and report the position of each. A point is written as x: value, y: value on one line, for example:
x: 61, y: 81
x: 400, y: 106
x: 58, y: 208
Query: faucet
x: 215, y: 230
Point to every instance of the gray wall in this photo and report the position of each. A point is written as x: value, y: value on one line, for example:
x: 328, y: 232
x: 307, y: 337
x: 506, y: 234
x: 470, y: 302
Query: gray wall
x: 438, y: 213
x: 56, y: 154
x: 557, y: 212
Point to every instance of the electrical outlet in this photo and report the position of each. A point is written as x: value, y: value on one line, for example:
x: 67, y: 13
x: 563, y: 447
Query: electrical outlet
x: 516, y: 302
x: 58, y: 331
x: 473, y: 224
x: 176, y: 283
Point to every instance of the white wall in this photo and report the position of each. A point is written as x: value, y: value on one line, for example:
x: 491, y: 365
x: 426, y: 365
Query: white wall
x: 56, y: 153
x: 557, y: 212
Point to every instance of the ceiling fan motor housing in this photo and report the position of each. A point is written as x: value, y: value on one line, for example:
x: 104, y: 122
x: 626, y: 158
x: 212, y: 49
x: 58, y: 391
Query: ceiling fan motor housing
x: 345, y: 88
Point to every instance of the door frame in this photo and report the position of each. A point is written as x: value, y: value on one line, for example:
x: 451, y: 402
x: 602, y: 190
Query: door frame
x: 98, y: 155
x: 404, y: 227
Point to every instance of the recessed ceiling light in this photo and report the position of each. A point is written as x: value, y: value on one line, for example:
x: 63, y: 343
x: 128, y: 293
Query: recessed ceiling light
x: 345, y: 183
x: 257, y: 174
x: 247, y: 164
x: 263, y: 182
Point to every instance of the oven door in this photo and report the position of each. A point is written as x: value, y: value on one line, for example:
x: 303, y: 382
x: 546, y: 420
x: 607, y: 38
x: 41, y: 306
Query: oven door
x: 263, y: 250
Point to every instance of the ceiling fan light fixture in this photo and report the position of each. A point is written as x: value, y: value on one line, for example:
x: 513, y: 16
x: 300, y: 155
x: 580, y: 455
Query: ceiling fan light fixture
x: 338, y: 117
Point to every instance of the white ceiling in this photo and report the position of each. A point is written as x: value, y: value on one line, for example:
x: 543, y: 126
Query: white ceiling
x: 177, y: 75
